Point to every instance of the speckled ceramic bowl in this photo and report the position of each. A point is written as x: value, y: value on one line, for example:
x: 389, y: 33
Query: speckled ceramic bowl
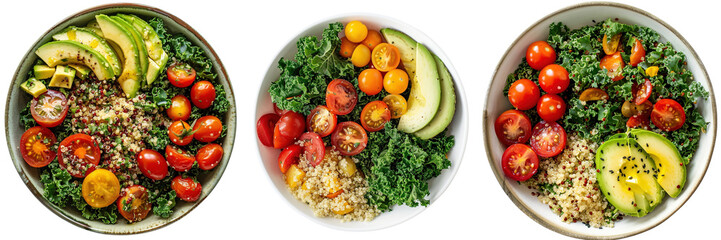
x: 458, y: 127
x: 17, y: 99
x: 575, y: 17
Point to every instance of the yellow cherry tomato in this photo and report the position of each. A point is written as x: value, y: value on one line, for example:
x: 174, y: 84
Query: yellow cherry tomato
x: 373, y: 39
x: 395, y: 81
x: 361, y: 56
x: 397, y: 104
x: 346, y: 47
x: 101, y: 188
x: 370, y: 81
x: 356, y: 31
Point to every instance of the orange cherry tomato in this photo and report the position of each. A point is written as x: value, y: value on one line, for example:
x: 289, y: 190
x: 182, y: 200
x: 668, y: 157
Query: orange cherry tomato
x: 638, y: 53
x: 372, y: 39
x: 346, y: 47
x: 385, y: 57
x: 593, y: 94
x: 614, y: 64
x: 397, y: 104
x: 375, y: 115
x: 395, y: 81
x: 610, y: 45
x: 370, y: 81
x: 179, y: 108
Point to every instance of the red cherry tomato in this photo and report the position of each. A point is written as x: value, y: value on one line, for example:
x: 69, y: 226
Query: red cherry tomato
x: 553, y: 79
x: 288, y: 157
x: 180, y: 133
x: 321, y: 121
x: 340, y: 97
x: 638, y: 53
x: 519, y: 162
x: 551, y: 107
x: 202, y: 94
x: 209, y: 156
x: 36, y: 146
x: 523, y: 94
x: 668, y: 115
x: 643, y: 92
x: 79, y: 155
x: 278, y: 110
x: 349, y: 138
x: 375, y: 115
x: 548, y: 139
x: 614, y: 64
x: 207, y: 129
x: 313, y: 147
x: 152, y: 164
x: 133, y: 203
x: 513, y: 126
x: 187, y: 189
x: 178, y: 159
x: 49, y: 109
x: 290, y: 126
x: 638, y: 121
x: 181, y: 75
x: 264, y: 128
x: 539, y: 54
x: 179, y: 108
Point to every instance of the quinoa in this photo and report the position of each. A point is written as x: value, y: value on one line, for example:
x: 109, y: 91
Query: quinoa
x: 567, y: 184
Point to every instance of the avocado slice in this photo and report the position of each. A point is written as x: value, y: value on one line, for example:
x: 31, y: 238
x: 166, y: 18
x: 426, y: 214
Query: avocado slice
x: 81, y: 71
x: 34, y: 87
x: 66, y: 52
x: 425, y: 96
x: 130, y: 78
x: 63, y: 77
x: 446, y: 109
x: 406, y: 46
x: 671, y: 166
x: 92, y: 40
x: 626, y: 177
x: 95, y: 27
x: 142, y: 52
x: 158, y: 57
x: 43, y: 71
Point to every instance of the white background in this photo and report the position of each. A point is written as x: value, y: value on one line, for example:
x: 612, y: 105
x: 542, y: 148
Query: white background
x: 247, y: 36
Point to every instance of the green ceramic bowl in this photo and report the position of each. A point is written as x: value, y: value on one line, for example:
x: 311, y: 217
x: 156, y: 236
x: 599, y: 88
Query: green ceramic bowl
x: 17, y: 100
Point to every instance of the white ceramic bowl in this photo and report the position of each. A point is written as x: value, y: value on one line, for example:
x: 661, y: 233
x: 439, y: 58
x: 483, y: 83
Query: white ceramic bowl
x: 458, y: 127
x: 577, y: 16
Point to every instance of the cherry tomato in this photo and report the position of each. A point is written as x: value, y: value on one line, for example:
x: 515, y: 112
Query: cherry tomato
x: 370, y: 81
x: 209, y: 156
x: 202, y: 94
x: 614, y: 64
x: 288, y: 157
x: 395, y: 81
x: 36, y: 146
x: 278, y: 110
x: 548, y: 139
x: 385, y: 57
x: 610, y: 45
x: 638, y: 121
x: 630, y: 109
x: 49, y: 109
x: 321, y: 121
x: 290, y: 126
x: 264, y: 128
x: 349, y: 138
x: 539, y: 54
x: 593, y: 94
x: 181, y: 75
x: 79, y: 155
x: 313, y: 147
x: 346, y: 47
x: 133, y: 203
x: 152, y: 164
x: 643, y: 92
x: 524, y: 94
x: 340, y: 97
x: 179, y: 108
x: 553, y: 79
x: 519, y: 162
x: 361, y: 56
x: 638, y: 53
x: 668, y: 115
x: 356, y: 31
x: 187, y: 188
x: 207, y: 129
x: 100, y: 188
x: 372, y: 39
x: 180, y: 133
x: 375, y: 115
x: 397, y: 105
x: 513, y: 126
x: 551, y: 107
x: 178, y: 159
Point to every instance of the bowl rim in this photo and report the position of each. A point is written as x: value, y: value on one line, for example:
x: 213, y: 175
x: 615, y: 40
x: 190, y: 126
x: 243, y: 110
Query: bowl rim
x: 488, y: 133
x: 211, y: 52
x: 460, y: 104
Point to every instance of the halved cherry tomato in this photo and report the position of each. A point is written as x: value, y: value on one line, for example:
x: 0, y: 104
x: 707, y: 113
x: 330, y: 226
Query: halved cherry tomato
x: 513, y: 126
x: 638, y: 121
x: 36, y: 146
x: 375, y: 115
x: 187, y: 188
x: 264, y: 128
x: 397, y: 105
x: 209, y: 156
x: 593, y: 94
x: 288, y: 157
x: 361, y: 56
x: 370, y: 81
x: 372, y: 39
x: 207, y: 128
x: 548, y: 139
x: 629, y: 109
x: 539, y: 54
x: 340, y: 97
x: 385, y: 57
x: 668, y: 115
x: 179, y: 108
x: 610, y: 45
x: 321, y: 121
x: 356, y: 31
x: 395, y: 81
x: 49, y: 109
x: 346, y: 47
x: 179, y: 159
x: 614, y: 64
x: 181, y: 75
x: 551, y: 107
x: 643, y: 92
x: 553, y: 79
x: 290, y: 126
x: 202, y: 94
x: 79, y: 155
x: 152, y: 164
x: 100, y: 188
x: 638, y: 53
x: 133, y: 203
x: 180, y: 133
x: 313, y: 147
x: 519, y: 162
x: 349, y: 138
x: 524, y: 94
